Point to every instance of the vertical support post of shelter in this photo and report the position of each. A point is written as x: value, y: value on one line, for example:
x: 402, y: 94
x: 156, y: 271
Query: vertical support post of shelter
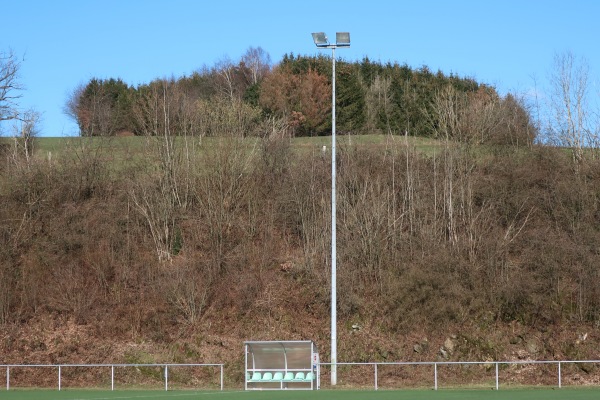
x: 313, y: 364
x: 245, y: 366
x: 319, y: 377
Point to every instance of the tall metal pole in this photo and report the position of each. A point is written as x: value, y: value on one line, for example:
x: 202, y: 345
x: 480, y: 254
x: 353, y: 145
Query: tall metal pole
x: 342, y: 39
x: 333, y: 234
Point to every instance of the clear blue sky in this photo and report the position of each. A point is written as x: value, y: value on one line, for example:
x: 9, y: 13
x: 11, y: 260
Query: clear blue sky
x: 504, y: 43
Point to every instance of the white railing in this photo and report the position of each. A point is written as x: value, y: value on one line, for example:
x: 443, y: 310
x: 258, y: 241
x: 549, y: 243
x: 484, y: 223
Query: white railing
x: 112, y: 367
x: 495, y: 364
x: 435, y: 364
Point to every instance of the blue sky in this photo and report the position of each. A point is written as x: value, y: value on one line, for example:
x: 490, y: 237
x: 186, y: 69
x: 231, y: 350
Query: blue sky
x: 503, y: 43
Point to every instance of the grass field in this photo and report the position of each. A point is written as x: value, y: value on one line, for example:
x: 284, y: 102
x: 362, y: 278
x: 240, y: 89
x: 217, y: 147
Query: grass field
x: 447, y: 394
x: 131, y: 145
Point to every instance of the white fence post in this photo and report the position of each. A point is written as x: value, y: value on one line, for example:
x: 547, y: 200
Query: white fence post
x: 496, y: 375
x: 59, y: 378
x: 166, y: 377
x: 7, y: 377
x: 559, y: 377
x: 221, y: 376
x: 375, y: 376
x: 435, y: 383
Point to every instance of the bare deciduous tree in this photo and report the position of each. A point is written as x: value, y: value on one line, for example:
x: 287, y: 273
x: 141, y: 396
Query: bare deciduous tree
x: 482, y: 115
x: 448, y: 107
x: 257, y: 62
x: 223, y: 118
x: 226, y: 82
x: 308, y: 200
x: 24, y: 132
x: 168, y: 189
x: 378, y: 102
x: 9, y: 86
x: 95, y: 117
x: 568, y: 122
x: 70, y: 109
x: 221, y: 191
x: 516, y: 126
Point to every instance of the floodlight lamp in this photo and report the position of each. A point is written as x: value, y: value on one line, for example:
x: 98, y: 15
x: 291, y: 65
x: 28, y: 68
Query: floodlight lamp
x: 342, y: 39
x: 320, y: 39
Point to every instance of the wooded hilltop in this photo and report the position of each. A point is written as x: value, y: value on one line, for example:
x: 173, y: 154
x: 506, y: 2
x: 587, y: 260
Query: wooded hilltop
x: 213, y: 226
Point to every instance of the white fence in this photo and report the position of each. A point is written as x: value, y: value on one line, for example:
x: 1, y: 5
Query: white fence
x: 111, y: 367
x: 488, y: 364
x: 491, y: 367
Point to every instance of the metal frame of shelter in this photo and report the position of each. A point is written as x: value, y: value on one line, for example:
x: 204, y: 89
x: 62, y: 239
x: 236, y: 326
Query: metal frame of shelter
x: 279, y: 365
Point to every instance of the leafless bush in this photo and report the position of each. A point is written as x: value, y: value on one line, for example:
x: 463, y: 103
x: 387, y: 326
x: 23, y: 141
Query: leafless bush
x: 187, y: 289
x: 309, y: 200
x: 222, y: 185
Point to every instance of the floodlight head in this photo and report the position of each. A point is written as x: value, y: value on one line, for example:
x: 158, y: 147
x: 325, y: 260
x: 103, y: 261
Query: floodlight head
x: 342, y: 39
x: 320, y: 39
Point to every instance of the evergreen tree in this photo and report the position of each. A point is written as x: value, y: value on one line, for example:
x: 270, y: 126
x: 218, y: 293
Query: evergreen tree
x: 350, y: 98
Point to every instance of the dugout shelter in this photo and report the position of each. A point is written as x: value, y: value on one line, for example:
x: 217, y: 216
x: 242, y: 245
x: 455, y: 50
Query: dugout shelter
x: 286, y: 364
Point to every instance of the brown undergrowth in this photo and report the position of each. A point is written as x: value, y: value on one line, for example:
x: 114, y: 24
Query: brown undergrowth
x: 470, y: 254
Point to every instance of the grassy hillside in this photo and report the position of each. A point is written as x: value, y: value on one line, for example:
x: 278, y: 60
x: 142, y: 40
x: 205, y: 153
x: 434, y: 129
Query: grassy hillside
x: 125, y: 249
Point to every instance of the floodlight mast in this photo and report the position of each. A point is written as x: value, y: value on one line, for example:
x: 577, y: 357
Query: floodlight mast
x: 342, y: 39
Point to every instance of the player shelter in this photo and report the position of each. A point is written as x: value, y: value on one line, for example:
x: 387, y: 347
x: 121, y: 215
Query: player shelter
x: 290, y: 364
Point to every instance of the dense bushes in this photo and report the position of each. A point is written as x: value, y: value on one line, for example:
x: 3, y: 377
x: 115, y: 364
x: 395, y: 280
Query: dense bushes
x: 436, y: 238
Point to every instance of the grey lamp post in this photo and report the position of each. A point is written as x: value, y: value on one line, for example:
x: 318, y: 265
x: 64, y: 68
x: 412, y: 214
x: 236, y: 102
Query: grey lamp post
x: 342, y: 39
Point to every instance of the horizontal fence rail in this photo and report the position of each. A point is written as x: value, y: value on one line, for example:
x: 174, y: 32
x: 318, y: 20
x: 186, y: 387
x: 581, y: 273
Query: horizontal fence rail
x: 435, y: 365
x: 112, y: 367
